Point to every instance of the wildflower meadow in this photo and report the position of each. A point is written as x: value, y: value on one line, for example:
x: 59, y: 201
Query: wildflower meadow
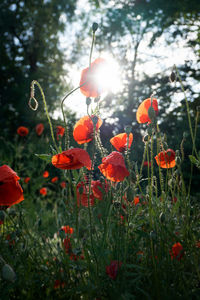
x: 80, y: 219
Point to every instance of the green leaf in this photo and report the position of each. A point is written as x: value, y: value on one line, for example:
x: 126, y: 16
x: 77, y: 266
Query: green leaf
x: 46, y: 157
x: 194, y: 161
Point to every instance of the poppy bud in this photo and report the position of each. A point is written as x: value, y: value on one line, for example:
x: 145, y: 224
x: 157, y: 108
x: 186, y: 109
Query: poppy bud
x: 88, y: 100
x: 178, y: 160
x: 150, y: 131
x: 80, y: 190
x: 94, y: 27
x: 151, y: 113
x: 95, y: 120
x: 96, y: 99
x: 162, y: 217
x: 172, y: 77
x: 128, y: 129
x: 8, y: 273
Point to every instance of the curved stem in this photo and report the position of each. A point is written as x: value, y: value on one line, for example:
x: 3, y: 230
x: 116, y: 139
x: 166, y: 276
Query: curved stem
x: 33, y: 83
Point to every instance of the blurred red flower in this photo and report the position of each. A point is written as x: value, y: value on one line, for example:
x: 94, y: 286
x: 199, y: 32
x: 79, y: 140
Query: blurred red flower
x: 136, y: 200
x: 113, y: 269
x: 113, y: 167
x: 72, y: 159
x: 67, y: 245
x: 166, y: 159
x: 22, y: 131
x: 63, y: 184
x: 59, y: 132
x: 58, y: 284
x: 177, y: 251
x: 46, y: 174
x: 146, y: 164
x: 84, y: 129
x: 120, y: 141
x: 82, y: 194
x: 98, y: 189
x: 67, y: 229
x: 43, y: 191
x: 10, y: 190
x: 91, y: 88
x: 54, y: 179
x: 39, y: 129
x: 27, y: 179
x: 142, y: 111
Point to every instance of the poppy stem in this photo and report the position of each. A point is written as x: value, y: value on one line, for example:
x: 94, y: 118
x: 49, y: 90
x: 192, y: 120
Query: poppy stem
x: 32, y: 96
x: 64, y: 119
x: 188, y: 111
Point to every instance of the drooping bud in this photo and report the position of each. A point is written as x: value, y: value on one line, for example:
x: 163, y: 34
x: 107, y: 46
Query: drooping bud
x: 162, y: 217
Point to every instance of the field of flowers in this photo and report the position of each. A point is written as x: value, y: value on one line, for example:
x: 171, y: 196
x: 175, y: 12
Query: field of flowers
x: 89, y: 222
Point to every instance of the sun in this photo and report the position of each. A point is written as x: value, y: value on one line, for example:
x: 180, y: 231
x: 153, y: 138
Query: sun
x: 107, y: 76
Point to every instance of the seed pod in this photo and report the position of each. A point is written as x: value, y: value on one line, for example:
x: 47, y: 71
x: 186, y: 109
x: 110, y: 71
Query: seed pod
x: 95, y: 120
x: 8, y: 273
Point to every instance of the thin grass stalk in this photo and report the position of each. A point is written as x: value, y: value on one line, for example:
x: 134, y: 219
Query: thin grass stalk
x: 32, y: 97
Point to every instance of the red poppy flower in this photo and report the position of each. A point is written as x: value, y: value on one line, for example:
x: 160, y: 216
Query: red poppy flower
x: 120, y: 141
x: 72, y: 159
x: 177, y: 251
x: 67, y: 229
x: 84, y: 129
x: 166, y: 159
x: 113, y: 167
x: 82, y: 191
x: 27, y: 179
x: 43, y: 191
x: 10, y: 189
x: 59, y: 132
x: 113, y: 269
x: 63, y: 184
x: 91, y: 88
x: 142, y: 111
x: 46, y: 174
x: 39, y: 129
x: 54, y: 179
x: 22, y: 131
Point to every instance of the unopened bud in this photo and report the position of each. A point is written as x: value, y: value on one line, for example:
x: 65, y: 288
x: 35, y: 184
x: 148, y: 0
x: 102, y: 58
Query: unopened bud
x: 95, y: 27
x: 145, y: 138
x: 162, y: 217
x: 88, y: 100
x: 95, y: 120
x: 172, y: 77
x: 128, y: 129
x: 151, y: 113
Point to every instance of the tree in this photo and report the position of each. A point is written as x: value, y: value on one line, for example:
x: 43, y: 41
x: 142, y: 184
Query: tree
x: 30, y: 50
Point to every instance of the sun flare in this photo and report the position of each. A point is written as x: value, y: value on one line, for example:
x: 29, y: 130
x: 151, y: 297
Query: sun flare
x: 108, y: 75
